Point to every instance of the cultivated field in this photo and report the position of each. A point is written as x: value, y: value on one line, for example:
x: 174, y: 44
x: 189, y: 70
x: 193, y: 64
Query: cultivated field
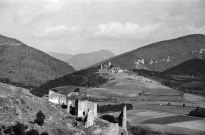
x: 150, y: 104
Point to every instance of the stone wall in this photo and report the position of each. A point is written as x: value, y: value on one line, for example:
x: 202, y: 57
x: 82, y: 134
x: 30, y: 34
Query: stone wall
x: 123, y: 121
x: 89, y: 119
x: 82, y: 108
x: 56, y: 98
x: 87, y: 110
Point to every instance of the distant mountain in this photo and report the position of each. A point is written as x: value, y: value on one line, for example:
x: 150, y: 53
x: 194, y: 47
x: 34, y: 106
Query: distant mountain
x: 84, y: 60
x: 162, y: 55
x: 26, y: 65
x: 61, y: 56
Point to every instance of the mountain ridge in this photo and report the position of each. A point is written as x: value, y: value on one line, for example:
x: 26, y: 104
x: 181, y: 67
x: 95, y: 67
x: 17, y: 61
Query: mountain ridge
x: 158, y: 56
x: 84, y: 60
x: 26, y: 65
x: 61, y: 56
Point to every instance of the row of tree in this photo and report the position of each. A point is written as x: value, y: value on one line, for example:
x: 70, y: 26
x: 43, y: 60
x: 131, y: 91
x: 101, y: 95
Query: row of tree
x: 113, y: 108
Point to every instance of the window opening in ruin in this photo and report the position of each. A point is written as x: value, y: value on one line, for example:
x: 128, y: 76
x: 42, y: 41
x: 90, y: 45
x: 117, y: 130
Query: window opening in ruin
x: 83, y: 113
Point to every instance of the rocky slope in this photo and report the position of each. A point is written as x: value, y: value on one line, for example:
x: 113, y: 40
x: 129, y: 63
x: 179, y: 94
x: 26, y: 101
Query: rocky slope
x: 23, y: 64
x: 18, y: 105
x: 162, y: 55
x: 84, y: 60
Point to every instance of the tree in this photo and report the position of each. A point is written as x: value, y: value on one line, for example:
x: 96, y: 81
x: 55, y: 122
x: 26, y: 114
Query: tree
x: 40, y: 118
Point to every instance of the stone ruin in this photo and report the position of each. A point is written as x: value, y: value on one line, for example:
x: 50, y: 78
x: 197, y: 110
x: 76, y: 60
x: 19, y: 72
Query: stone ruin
x: 57, y: 98
x: 83, y: 107
x: 87, y: 110
x: 123, y: 121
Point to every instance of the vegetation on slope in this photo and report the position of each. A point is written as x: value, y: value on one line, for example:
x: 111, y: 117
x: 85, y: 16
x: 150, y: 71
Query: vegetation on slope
x: 26, y: 65
x: 85, y: 78
x: 156, y: 55
x: 188, y: 76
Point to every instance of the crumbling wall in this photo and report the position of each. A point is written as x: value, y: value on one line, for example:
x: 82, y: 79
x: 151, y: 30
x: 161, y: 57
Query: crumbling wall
x: 56, y: 98
x: 69, y: 104
x: 124, y: 118
x: 89, y: 119
x: 123, y: 121
x: 82, y: 108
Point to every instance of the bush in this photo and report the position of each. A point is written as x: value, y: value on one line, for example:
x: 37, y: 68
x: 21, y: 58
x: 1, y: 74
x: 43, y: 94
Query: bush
x: 140, y: 130
x: 109, y: 118
x: 32, y: 132
x: 20, y: 129
x: 198, y: 112
x: 44, y: 133
x: 40, y: 118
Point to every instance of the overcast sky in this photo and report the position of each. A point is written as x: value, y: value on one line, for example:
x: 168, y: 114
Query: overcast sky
x: 76, y: 26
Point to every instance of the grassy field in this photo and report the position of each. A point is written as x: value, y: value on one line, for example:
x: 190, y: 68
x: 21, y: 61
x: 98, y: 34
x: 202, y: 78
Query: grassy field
x: 170, y: 119
x: 150, y: 104
x: 174, y: 130
x: 195, y: 124
x: 134, y: 88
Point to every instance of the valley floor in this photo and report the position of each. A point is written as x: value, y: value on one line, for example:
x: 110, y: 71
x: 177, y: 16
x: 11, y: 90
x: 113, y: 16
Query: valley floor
x: 154, y: 105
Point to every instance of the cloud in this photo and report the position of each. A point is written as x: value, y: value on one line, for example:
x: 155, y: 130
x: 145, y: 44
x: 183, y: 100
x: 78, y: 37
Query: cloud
x: 194, y: 29
x: 28, y: 11
x: 126, y: 30
x: 58, y: 31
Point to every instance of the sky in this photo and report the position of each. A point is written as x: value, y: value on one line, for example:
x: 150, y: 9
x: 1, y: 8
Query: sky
x: 82, y: 26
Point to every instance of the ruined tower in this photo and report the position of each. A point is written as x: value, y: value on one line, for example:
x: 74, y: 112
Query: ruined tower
x: 69, y: 104
x: 82, y: 108
x: 109, y: 64
x: 123, y: 121
x: 124, y: 118
x: 90, y: 119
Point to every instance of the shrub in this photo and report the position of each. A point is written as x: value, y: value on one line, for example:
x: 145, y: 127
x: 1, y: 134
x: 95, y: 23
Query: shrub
x: 32, y: 132
x: 140, y: 130
x: 109, y: 118
x: 198, y: 112
x: 40, y: 118
x: 44, y: 133
x: 19, y: 129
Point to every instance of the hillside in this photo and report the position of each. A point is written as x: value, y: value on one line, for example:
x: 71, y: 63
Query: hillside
x: 22, y: 113
x: 188, y: 76
x: 191, y: 67
x: 162, y: 55
x: 85, y: 78
x: 26, y: 65
x: 84, y: 60
x: 61, y: 56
